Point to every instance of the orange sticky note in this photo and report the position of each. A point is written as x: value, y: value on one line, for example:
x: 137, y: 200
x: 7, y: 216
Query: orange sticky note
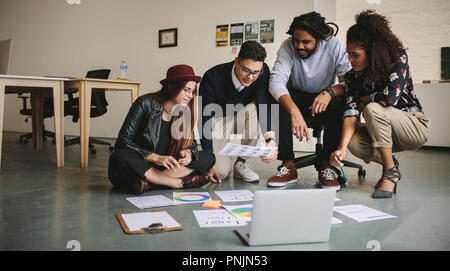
x: 212, y: 204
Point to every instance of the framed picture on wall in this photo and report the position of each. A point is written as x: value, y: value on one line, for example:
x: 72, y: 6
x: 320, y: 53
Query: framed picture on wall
x: 168, y: 37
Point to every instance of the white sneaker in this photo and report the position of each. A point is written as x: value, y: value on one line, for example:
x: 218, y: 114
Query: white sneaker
x: 244, y: 172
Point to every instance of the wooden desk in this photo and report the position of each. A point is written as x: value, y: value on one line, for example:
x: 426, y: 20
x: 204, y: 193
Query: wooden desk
x: 36, y: 86
x: 85, y: 86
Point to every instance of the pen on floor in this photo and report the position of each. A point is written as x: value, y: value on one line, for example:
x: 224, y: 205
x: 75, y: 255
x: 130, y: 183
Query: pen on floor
x: 342, y: 169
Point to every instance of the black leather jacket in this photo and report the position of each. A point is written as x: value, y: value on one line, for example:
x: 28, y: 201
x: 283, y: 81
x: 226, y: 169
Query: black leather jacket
x: 141, y: 129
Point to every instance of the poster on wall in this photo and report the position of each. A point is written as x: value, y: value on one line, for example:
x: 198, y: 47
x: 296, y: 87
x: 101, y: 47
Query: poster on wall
x: 267, y: 31
x: 251, y: 31
x: 222, y: 35
x: 236, y: 34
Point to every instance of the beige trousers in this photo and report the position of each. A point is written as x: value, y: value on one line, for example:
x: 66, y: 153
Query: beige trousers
x: 245, y: 122
x: 388, y: 127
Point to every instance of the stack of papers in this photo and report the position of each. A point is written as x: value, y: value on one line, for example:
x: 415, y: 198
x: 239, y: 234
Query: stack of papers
x: 150, y: 201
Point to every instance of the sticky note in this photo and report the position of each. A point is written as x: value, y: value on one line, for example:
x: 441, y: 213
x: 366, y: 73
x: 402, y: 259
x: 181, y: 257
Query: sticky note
x: 212, y: 204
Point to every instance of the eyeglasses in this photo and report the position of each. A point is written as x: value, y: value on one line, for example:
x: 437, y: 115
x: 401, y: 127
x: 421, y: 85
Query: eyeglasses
x: 247, y: 72
x: 192, y: 92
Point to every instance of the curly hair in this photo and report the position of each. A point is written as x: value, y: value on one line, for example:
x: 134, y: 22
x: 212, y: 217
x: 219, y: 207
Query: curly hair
x: 314, y: 24
x: 373, y: 34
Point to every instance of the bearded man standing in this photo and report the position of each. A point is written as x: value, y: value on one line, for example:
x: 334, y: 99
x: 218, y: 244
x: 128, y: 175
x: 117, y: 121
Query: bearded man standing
x: 305, y: 82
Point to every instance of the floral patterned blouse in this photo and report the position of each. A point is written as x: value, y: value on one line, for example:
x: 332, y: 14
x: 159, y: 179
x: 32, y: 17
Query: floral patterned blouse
x: 396, y: 91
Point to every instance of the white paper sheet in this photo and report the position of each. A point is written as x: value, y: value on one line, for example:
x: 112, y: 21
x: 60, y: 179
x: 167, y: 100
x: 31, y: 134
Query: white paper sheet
x: 235, y: 195
x: 241, y: 212
x: 216, y: 218
x: 137, y: 221
x: 231, y: 149
x: 361, y: 213
x: 190, y: 197
x: 335, y: 221
x: 150, y: 201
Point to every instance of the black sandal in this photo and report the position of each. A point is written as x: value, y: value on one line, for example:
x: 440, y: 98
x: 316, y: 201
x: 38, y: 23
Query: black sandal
x: 390, y: 174
x: 396, y: 164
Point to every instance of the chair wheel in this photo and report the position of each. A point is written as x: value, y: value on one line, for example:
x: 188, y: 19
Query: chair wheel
x: 93, y: 151
x: 111, y: 149
x: 361, y: 173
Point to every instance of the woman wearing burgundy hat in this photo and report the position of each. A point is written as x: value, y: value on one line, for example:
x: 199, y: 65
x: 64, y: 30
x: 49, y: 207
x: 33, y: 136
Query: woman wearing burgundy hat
x: 154, y: 147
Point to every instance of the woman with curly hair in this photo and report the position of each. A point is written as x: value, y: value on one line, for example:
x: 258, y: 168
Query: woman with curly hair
x: 380, y: 87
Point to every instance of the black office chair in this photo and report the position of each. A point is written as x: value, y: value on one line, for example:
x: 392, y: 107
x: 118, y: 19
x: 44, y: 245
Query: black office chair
x: 98, y: 108
x: 47, y: 113
x: 313, y: 159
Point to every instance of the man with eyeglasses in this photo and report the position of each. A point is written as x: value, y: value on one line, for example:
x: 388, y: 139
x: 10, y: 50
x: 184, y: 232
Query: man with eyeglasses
x: 305, y: 82
x: 233, y: 92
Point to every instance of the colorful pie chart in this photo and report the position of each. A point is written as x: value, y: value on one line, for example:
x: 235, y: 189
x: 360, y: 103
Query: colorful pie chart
x: 244, y: 212
x: 192, y: 197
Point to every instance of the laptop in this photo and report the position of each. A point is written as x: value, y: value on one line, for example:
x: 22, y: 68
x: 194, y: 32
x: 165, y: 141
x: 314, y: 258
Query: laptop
x: 289, y: 217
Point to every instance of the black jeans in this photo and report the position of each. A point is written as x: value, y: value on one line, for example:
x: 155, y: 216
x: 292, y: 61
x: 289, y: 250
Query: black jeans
x: 126, y: 166
x: 331, y: 119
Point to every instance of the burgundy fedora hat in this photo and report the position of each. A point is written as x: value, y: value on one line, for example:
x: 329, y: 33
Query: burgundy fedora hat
x: 180, y: 72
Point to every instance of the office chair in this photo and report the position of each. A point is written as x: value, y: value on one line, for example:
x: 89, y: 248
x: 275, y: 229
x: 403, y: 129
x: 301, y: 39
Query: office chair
x: 98, y: 108
x: 47, y: 113
x: 313, y: 159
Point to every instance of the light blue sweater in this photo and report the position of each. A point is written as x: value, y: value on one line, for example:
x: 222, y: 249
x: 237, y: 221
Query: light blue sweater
x: 323, y: 69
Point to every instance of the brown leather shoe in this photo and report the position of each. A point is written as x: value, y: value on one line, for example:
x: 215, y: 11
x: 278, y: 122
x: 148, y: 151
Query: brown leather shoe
x: 192, y: 181
x: 327, y: 177
x: 284, y: 176
x: 140, y: 186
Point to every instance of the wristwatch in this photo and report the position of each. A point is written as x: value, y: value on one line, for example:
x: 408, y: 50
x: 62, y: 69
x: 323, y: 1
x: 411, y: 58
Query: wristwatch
x: 331, y: 92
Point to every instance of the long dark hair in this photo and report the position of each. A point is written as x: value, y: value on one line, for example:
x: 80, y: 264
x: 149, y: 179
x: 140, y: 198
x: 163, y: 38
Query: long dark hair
x: 373, y: 34
x: 167, y: 93
x: 314, y: 24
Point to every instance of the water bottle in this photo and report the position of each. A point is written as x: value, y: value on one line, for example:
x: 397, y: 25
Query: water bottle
x: 123, y: 69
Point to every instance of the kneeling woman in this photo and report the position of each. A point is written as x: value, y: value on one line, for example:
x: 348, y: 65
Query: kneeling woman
x: 147, y: 152
x: 380, y: 87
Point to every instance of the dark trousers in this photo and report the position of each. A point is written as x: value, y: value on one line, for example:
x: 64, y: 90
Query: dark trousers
x: 331, y: 119
x: 126, y: 166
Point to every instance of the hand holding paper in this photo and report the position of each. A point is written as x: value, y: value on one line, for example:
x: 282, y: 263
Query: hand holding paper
x: 231, y: 149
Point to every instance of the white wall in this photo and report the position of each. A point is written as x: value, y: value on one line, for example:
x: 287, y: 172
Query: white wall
x: 51, y: 37
x: 434, y: 99
x: 422, y: 26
